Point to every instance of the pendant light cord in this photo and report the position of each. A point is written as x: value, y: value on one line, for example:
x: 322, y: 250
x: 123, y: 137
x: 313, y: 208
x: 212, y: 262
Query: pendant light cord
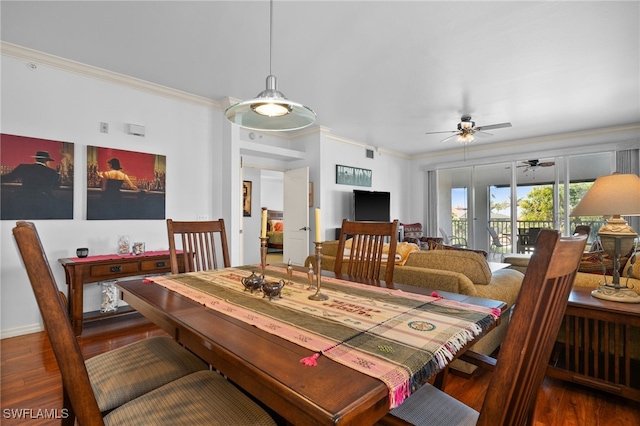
x: 270, y: 33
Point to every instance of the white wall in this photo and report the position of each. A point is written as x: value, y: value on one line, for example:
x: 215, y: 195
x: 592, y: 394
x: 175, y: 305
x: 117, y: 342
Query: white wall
x: 389, y: 173
x: 53, y: 104
x: 67, y: 102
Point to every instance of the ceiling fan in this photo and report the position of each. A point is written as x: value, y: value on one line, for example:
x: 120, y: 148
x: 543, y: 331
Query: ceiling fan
x: 468, y: 128
x: 534, y: 164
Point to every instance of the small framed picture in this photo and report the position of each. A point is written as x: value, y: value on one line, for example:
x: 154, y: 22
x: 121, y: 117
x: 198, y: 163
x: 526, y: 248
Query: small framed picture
x: 246, y: 198
x: 346, y: 175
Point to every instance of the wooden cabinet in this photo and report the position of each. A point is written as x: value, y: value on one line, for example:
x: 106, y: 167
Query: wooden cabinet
x: 81, y: 271
x: 598, y: 345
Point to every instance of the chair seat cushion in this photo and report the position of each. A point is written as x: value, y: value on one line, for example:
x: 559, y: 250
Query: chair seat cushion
x: 430, y: 406
x: 202, y: 398
x: 120, y: 375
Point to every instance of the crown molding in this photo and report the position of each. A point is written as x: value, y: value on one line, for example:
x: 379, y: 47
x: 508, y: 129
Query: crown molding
x: 45, y: 59
x: 363, y: 145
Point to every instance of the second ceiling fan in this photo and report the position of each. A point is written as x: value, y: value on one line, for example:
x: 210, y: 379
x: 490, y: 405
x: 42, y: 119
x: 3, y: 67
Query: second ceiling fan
x: 467, y: 129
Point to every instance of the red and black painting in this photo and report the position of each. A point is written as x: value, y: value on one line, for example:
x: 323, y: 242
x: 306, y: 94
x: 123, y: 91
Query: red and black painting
x: 37, y: 178
x: 125, y: 184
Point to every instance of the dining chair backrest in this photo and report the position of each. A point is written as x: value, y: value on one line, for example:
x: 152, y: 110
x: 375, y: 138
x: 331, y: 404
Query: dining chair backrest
x: 199, y: 246
x: 368, y: 250
x: 525, y: 351
x: 524, y: 354
x: 75, y: 378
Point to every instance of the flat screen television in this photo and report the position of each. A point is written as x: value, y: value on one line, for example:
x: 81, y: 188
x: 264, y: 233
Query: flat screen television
x: 372, y: 206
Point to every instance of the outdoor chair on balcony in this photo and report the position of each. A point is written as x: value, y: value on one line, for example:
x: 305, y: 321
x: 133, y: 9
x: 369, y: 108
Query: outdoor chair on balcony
x: 452, y: 240
x: 498, y: 242
x: 527, y: 239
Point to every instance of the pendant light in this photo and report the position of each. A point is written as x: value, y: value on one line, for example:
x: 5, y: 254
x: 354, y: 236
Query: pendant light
x: 270, y: 110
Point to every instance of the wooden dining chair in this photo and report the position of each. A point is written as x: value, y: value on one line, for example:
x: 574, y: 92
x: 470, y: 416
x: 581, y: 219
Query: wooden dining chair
x: 525, y: 352
x: 367, y: 249
x: 198, y: 244
x: 154, y: 381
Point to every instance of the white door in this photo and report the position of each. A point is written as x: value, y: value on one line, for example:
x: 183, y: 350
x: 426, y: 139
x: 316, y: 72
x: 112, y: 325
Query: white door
x: 296, y: 216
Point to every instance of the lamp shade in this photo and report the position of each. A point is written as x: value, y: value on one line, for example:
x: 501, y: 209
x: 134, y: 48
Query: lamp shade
x: 270, y: 111
x: 614, y: 195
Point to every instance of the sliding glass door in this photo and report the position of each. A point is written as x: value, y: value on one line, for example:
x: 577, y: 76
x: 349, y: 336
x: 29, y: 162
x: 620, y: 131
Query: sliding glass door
x: 514, y: 200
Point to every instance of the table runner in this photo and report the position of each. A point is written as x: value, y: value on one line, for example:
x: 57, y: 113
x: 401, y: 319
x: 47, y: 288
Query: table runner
x: 400, y: 338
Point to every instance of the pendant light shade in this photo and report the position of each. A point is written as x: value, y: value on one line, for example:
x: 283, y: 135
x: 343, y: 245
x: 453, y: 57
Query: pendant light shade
x: 270, y: 110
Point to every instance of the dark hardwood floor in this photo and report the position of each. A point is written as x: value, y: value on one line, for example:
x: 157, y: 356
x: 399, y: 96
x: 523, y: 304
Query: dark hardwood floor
x: 30, y: 381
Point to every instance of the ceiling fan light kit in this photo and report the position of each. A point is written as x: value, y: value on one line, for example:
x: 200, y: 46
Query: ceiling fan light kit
x: 467, y: 129
x: 270, y: 110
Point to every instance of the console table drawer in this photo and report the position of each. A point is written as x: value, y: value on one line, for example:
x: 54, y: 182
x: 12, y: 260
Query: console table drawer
x: 159, y: 265
x: 114, y: 269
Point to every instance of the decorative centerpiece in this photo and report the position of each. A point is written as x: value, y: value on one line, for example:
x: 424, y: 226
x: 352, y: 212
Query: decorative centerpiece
x: 317, y: 295
x: 253, y: 282
x: 272, y: 289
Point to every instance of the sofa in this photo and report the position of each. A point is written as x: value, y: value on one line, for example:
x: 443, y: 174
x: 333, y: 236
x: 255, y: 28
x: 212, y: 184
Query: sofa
x: 462, y: 271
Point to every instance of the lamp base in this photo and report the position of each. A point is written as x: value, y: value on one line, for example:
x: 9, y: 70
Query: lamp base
x: 623, y: 294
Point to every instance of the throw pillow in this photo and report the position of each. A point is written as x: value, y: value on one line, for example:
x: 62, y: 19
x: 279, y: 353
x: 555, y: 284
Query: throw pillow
x: 412, y: 230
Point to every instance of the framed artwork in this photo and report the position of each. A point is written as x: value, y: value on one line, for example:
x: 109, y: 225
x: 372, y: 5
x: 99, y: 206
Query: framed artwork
x: 246, y: 198
x: 37, y: 178
x: 125, y: 184
x: 346, y: 175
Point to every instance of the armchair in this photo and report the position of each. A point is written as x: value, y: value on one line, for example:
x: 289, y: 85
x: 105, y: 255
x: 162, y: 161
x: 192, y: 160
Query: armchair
x: 413, y: 234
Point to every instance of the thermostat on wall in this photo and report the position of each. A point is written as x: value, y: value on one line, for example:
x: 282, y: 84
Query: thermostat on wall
x: 135, y: 129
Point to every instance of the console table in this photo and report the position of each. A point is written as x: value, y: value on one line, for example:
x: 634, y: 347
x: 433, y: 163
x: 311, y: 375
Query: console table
x: 598, y: 345
x: 91, y: 269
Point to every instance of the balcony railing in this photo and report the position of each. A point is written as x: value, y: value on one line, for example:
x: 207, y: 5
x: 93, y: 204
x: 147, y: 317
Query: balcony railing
x: 503, y: 229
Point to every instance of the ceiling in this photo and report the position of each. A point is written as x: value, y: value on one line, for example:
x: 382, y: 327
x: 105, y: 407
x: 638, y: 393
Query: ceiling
x: 379, y: 72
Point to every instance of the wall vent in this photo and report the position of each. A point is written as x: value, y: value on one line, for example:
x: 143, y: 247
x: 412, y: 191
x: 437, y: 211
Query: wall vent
x: 369, y: 153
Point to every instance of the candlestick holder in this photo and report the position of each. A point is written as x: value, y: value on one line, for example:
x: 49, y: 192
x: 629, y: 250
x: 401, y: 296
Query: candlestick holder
x: 310, y: 276
x: 318, y: 295
x: 263, y: 254
x: 289, y: 272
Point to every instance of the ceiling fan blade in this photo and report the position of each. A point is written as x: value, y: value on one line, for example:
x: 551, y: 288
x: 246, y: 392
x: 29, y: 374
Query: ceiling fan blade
x: 448, y: 131
x: 494, y: 126
x: 547, y: 164
x: 481, y: 133
x: 450, y: 137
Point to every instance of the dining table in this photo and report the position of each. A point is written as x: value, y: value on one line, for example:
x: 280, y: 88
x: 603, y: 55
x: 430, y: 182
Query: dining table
x: 347, y: 358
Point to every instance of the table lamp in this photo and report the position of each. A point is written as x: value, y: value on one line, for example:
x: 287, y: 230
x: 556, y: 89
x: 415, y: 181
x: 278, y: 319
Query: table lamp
x: 614, y: 195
